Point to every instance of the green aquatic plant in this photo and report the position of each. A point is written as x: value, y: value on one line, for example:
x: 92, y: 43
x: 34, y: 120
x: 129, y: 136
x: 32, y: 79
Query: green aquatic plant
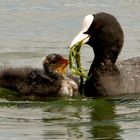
x: 75, y: 60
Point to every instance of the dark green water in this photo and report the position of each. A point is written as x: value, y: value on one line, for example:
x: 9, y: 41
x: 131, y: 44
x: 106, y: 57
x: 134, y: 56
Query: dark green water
x: 30, y: 29
x: 85, y: 118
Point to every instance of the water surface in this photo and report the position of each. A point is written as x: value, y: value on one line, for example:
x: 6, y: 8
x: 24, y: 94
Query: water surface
x: 29, y: 30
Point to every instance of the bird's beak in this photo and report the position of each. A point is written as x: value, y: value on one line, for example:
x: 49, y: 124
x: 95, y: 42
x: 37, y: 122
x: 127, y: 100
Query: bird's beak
x: 62, y: 68
x: 81, y: 36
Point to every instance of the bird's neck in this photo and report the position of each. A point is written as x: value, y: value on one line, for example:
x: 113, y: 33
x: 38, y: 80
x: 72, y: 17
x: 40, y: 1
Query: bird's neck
x: 103, y: 66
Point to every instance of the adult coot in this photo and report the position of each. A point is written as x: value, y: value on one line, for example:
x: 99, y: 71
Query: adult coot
x: 104, y: 34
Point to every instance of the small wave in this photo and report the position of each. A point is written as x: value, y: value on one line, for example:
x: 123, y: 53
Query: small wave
x: 88, y: 5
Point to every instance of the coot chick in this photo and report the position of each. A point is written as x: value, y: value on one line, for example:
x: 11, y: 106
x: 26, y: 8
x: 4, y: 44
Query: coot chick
x: 104, y: 34
x: 47, y: 82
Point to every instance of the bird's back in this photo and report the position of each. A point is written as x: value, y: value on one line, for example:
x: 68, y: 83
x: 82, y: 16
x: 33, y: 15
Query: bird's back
x: 29, y: 81
x: 127, y: 81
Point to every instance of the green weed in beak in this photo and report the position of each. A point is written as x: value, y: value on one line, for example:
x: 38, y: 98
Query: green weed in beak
x: 75, y: 62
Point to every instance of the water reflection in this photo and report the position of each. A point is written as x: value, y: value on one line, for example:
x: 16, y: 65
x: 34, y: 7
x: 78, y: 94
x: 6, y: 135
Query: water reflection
x: 82, y: 119
x: 95, y: 119
x: 103, y: 118
x: 67, y: 121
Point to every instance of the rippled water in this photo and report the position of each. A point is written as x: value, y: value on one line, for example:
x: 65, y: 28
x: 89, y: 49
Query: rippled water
x: 70, y: 119
x: 29, y: 30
